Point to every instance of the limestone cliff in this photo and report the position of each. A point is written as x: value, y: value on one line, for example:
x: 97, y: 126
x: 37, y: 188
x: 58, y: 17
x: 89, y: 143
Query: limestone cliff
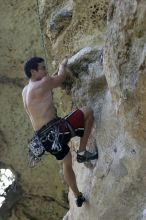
x: 106, y: 45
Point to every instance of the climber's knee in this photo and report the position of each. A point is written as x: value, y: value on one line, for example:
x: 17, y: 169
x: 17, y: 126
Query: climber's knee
x: 88, y: 113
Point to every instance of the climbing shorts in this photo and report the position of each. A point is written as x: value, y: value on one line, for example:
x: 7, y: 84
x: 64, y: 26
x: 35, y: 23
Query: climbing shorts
x: 56, y: 134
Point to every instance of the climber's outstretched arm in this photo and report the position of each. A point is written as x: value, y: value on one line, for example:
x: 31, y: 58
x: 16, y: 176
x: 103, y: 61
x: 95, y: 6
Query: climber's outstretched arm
x: 51, y: 82
x: 60, y: 75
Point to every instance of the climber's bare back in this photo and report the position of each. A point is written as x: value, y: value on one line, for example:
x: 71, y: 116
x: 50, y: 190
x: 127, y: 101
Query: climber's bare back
x: 38, y: 104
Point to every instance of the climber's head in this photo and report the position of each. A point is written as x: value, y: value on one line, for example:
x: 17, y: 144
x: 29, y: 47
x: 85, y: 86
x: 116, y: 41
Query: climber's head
x: 35, y: 67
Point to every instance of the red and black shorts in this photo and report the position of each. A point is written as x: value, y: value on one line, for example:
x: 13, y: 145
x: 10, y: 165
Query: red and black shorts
x: 75, y: 120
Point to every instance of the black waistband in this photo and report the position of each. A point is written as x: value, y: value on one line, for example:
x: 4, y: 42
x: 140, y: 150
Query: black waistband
x: 49, y: 124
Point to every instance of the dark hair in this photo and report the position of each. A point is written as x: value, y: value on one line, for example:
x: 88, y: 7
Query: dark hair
x: 30, y: 64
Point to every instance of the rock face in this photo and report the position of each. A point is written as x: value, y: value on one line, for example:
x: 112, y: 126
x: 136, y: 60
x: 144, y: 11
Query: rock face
x: 106, y: 45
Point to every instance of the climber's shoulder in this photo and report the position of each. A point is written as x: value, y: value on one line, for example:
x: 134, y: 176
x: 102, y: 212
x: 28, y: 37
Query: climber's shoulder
x: 24, y: 91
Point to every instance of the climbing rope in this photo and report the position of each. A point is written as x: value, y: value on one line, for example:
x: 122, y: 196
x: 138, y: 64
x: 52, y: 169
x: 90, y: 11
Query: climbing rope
x: 41, y: 33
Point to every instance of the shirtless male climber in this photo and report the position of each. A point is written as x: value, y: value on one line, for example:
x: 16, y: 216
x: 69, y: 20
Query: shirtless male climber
x: 51, y: 131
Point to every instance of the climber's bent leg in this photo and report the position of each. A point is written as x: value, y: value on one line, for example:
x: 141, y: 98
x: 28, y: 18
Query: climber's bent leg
x: 83, y: 155
x: 88, y: 124
x: 81, y: 121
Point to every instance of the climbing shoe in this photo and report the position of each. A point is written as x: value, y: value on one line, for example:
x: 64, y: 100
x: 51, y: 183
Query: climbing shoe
x: 87, y: 156
x: 80, y: 200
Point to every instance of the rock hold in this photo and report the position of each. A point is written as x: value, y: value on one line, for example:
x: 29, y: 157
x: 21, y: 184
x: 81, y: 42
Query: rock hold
x: 81, y: 60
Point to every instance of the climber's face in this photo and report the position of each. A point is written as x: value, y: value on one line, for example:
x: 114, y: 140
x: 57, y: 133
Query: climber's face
x: 40, y: 72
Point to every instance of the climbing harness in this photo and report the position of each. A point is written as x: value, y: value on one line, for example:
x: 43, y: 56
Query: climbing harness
x: 35, y: 146
x: 42, y: 34
x: 35, y: 150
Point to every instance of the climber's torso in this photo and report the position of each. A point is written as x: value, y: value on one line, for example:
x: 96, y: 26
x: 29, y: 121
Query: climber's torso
x: 38, y: 104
